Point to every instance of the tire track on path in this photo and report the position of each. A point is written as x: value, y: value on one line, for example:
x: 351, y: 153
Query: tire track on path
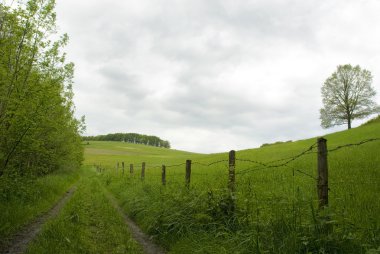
x: 19, y: 241
x: 148, y: 246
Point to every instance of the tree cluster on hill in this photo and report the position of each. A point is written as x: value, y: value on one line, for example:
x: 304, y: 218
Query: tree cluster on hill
x: 130, y: 138
x: 38, y: 131
x: 276, y: 143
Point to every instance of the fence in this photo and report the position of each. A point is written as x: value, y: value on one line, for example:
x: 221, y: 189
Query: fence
x: 319, y: 148
x: 311, y: 196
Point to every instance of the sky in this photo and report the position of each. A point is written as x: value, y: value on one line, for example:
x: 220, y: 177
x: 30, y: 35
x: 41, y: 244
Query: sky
x: 215, y: 75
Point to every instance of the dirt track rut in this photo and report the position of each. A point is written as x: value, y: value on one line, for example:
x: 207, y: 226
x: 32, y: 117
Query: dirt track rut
x: 148, y: 246
x: 19, y: 241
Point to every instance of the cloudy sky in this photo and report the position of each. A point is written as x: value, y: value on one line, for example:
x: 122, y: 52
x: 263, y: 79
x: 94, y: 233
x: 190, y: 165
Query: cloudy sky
x: 215, y: 75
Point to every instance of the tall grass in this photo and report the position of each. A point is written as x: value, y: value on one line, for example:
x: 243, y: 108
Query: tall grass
x: 22, y: 198
x: 87, y: 224
x: 276, y: 208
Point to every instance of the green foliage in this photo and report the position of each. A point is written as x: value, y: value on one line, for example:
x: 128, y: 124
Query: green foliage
x: 130, y: 138
x: 38, y: 131
x: 347, y: 95
x: 276, y: 209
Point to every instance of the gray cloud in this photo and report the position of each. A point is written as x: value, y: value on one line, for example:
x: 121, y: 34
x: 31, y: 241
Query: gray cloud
x: 213, y: 75
x: 119, y: 81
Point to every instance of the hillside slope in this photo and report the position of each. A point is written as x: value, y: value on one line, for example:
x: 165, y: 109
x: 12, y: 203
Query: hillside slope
x: 274, y: 206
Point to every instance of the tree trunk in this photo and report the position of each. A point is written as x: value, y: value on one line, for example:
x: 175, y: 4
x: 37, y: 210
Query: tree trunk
x: 349, y: 123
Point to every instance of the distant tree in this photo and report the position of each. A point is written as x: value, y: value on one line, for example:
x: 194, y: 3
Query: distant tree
x: 347, y: 95
x: 130, y: 138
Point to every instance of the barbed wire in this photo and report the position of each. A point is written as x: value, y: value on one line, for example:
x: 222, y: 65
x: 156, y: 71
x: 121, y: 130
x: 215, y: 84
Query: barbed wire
x: 253, y: 161
x: 262, y: 165
x: 168, y: 174
x: 147, y: 166
x: 306, y: 174
x: 154, y: 167
x: 262, y: 168
x: 209, y: 164
x: 307, y: 151
x: 288, y: 159
x: 354, y: 144
x: 265, y: 166
x: 175, y: 165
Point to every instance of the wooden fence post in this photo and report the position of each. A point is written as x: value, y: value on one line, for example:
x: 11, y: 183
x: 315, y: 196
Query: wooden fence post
x: 188, y: 173
x: 122, y: 166
x: 322, y: 185
x: 231, y: 181
x: 131, y: 169
x: 163, y: 175
x: 231, y: 171
x: 143, y: 171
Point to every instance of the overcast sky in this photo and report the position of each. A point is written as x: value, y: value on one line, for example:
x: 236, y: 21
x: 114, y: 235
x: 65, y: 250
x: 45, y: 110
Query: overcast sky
x: 215, y: 75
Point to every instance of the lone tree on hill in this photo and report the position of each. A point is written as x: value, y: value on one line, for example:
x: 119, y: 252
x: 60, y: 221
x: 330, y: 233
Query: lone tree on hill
x: 347, y: 95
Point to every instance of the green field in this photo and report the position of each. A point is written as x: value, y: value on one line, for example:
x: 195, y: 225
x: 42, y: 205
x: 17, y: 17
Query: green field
x: 276, y: 207
x: 273, y: 210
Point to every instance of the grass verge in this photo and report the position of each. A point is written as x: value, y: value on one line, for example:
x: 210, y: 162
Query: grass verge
x: 22, y: 199
x: 87, y: 224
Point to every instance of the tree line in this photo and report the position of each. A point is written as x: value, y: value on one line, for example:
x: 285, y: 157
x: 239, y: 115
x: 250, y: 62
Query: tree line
x: 134, y: 138
x: 38, y: 131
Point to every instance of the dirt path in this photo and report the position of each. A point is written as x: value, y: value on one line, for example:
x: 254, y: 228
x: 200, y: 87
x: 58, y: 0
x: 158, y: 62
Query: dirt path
x: 148, y: 246
x: 19, y: 242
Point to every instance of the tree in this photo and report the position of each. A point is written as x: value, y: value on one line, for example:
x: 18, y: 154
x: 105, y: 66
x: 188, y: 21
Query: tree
x: 38, y: 130
x: 347, y: 95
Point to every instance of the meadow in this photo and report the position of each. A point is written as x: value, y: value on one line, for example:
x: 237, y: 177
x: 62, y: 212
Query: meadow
x: 275, y: 206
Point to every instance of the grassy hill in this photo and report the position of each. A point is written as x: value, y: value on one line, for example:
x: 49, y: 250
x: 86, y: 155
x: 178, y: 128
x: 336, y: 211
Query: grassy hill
x: 276, y: 206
